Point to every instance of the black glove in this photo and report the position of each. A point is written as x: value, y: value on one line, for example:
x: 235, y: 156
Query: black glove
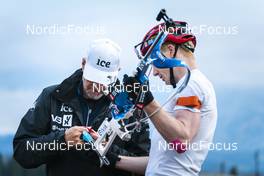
x: 139, y: 94
x: 114, y: 85
x: 112, y: 158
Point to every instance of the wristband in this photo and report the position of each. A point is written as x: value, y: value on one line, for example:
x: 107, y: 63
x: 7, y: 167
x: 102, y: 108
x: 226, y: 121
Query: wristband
x: 178, y: 146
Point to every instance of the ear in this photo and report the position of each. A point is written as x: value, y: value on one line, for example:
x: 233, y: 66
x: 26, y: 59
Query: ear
x: 171, y: 49
x: 83, y: 62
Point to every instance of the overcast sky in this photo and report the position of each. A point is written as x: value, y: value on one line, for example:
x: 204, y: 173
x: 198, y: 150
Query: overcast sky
x: 30, y: 62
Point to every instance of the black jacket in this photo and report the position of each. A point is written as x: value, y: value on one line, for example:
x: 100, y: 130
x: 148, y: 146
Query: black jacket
x: 56, y: 109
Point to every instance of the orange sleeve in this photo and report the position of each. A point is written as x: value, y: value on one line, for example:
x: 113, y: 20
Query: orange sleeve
x: 191, y: 101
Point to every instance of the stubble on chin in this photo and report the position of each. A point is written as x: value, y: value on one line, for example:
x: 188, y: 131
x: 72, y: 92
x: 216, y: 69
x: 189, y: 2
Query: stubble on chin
x: 92, y: 97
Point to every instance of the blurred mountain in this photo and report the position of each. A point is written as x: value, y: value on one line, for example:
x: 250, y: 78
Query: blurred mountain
x: 240, y: 117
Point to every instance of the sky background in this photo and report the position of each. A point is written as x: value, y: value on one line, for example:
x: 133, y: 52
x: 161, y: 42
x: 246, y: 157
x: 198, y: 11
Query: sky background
x: 233, y: 62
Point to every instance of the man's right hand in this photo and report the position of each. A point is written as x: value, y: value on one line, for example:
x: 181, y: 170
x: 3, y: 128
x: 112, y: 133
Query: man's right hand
x: 131, y: 82
x: 72, y: 135
x: 93, y: 133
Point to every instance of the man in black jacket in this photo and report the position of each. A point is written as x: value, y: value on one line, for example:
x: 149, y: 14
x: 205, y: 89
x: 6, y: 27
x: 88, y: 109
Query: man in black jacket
x: 49, y: 133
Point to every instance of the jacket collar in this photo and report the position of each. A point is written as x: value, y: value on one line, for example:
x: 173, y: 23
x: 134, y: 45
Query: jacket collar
x: 67, y: 90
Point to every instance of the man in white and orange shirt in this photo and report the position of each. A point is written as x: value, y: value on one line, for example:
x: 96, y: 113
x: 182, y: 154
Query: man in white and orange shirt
x: 189, y: 118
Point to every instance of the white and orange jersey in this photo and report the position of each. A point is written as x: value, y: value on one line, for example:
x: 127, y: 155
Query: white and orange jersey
x: 198, y: 96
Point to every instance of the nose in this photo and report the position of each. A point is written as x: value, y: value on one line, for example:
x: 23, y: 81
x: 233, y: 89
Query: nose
x: 99, y: 87
x: 155, y: 71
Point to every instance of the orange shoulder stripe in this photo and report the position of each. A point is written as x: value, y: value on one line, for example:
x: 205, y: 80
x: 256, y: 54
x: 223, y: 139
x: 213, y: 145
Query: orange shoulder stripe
x: 191, y: 101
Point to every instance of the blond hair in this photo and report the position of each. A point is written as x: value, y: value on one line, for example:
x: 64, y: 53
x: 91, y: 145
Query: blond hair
x: 185, y: 46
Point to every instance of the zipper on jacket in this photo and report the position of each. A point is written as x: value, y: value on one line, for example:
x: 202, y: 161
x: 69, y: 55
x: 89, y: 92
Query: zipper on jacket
x: 88, y: 116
